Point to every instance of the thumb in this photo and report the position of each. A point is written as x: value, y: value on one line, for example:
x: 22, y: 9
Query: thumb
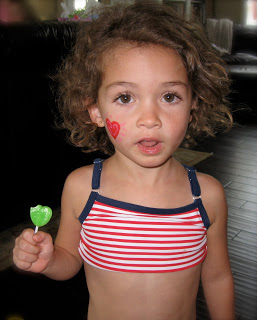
x: 41, y: 237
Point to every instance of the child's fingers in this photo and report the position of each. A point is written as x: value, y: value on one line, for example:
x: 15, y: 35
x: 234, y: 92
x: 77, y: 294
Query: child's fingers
x: 25, y: 246
x: 41, y: 238
x: 26, y: 250
x: 27, y: 235
x: 25, y: 256
x: 45, y: 244
x: 23, y: 259
x: 23, y: 265
x: 26, y: 243
x: 32, y: 251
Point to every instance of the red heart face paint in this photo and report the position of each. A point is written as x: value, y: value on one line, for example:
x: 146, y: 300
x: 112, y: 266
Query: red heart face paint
x: 113, y: 127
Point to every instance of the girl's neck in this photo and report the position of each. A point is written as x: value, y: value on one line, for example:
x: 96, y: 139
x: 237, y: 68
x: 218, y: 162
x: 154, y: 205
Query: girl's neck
x: 131, y: 171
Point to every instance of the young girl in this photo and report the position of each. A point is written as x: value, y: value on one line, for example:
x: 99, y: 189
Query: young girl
x: 139, y: 83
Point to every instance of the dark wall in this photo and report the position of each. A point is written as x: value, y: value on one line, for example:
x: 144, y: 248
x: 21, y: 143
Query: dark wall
x: 36, y: 157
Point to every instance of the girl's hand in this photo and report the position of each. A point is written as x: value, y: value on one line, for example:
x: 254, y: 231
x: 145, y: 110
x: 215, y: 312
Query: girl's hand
x: 33, y: 252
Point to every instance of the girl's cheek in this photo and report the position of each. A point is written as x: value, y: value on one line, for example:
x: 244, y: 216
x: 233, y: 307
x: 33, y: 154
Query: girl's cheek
x: 116, y: 129
x: 113, y: 127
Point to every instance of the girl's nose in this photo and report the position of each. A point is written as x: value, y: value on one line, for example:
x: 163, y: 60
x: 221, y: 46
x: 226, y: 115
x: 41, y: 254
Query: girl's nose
x: 149, y: 117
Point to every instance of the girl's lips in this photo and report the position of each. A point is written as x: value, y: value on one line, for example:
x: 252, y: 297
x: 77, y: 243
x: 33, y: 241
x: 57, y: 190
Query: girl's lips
x: 149, y: 146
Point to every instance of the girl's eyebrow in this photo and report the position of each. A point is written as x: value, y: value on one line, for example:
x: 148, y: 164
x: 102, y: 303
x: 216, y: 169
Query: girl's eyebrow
x: 121, y: 83
x: 174, y: 83
x: 131, y: 84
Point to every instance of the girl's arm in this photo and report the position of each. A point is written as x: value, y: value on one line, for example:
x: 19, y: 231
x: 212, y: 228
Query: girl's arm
x: 61, y: 261
x: 217, y: 280
x: 66, y: 261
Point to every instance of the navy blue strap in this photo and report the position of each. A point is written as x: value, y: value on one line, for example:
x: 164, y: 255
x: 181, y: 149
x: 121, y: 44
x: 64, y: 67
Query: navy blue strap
x: 196, y: 191
x: 88, y: 206
x: 195, y: 187
x: 98, y: 164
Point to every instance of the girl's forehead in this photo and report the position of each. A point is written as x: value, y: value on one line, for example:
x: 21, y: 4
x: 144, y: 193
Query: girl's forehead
x: 118, y: 51
x: 143, y: 63
x: 121, y: 53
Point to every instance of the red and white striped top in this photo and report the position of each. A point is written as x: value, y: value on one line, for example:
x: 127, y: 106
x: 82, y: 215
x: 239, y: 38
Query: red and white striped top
x: 123, y: 240
x: 125, y: 237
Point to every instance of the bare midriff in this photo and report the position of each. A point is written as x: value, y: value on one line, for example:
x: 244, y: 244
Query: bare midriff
x: 142, y: 296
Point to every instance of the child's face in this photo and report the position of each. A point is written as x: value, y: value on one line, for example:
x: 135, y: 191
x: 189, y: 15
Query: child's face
x: 144, y: 102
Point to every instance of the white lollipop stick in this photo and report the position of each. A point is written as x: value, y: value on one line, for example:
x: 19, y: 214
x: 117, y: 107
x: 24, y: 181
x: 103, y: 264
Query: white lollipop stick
x: 36, y: 229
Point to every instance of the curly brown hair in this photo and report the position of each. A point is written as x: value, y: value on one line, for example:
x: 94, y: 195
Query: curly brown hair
x: 141, y: 23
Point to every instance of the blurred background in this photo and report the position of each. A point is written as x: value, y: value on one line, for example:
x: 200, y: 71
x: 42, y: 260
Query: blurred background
x: 239, y: 11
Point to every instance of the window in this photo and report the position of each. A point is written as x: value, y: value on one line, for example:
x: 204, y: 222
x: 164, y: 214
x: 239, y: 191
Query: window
x: 251, y: 12
x: 79, y: 4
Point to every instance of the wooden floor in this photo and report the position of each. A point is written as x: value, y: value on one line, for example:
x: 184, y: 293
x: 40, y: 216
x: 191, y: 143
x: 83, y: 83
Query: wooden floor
x: 234, y: 163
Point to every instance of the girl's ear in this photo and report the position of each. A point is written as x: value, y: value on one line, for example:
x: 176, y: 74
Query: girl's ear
x: 193, y: 107
x: 95, y: 115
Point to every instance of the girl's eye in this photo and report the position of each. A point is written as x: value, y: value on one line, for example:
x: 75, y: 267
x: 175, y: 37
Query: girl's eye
x: 170, y: 97
x: 125, y: 99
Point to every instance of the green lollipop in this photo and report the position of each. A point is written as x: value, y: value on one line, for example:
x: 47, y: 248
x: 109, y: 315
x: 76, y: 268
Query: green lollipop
x: 40, y: 216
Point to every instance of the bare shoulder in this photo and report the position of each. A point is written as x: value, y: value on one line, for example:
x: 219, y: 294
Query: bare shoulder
x: 80, y: 176
x: 74, y: 197
x: 213, y: 196
x: 210, y: 186
x: 77, y: 188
